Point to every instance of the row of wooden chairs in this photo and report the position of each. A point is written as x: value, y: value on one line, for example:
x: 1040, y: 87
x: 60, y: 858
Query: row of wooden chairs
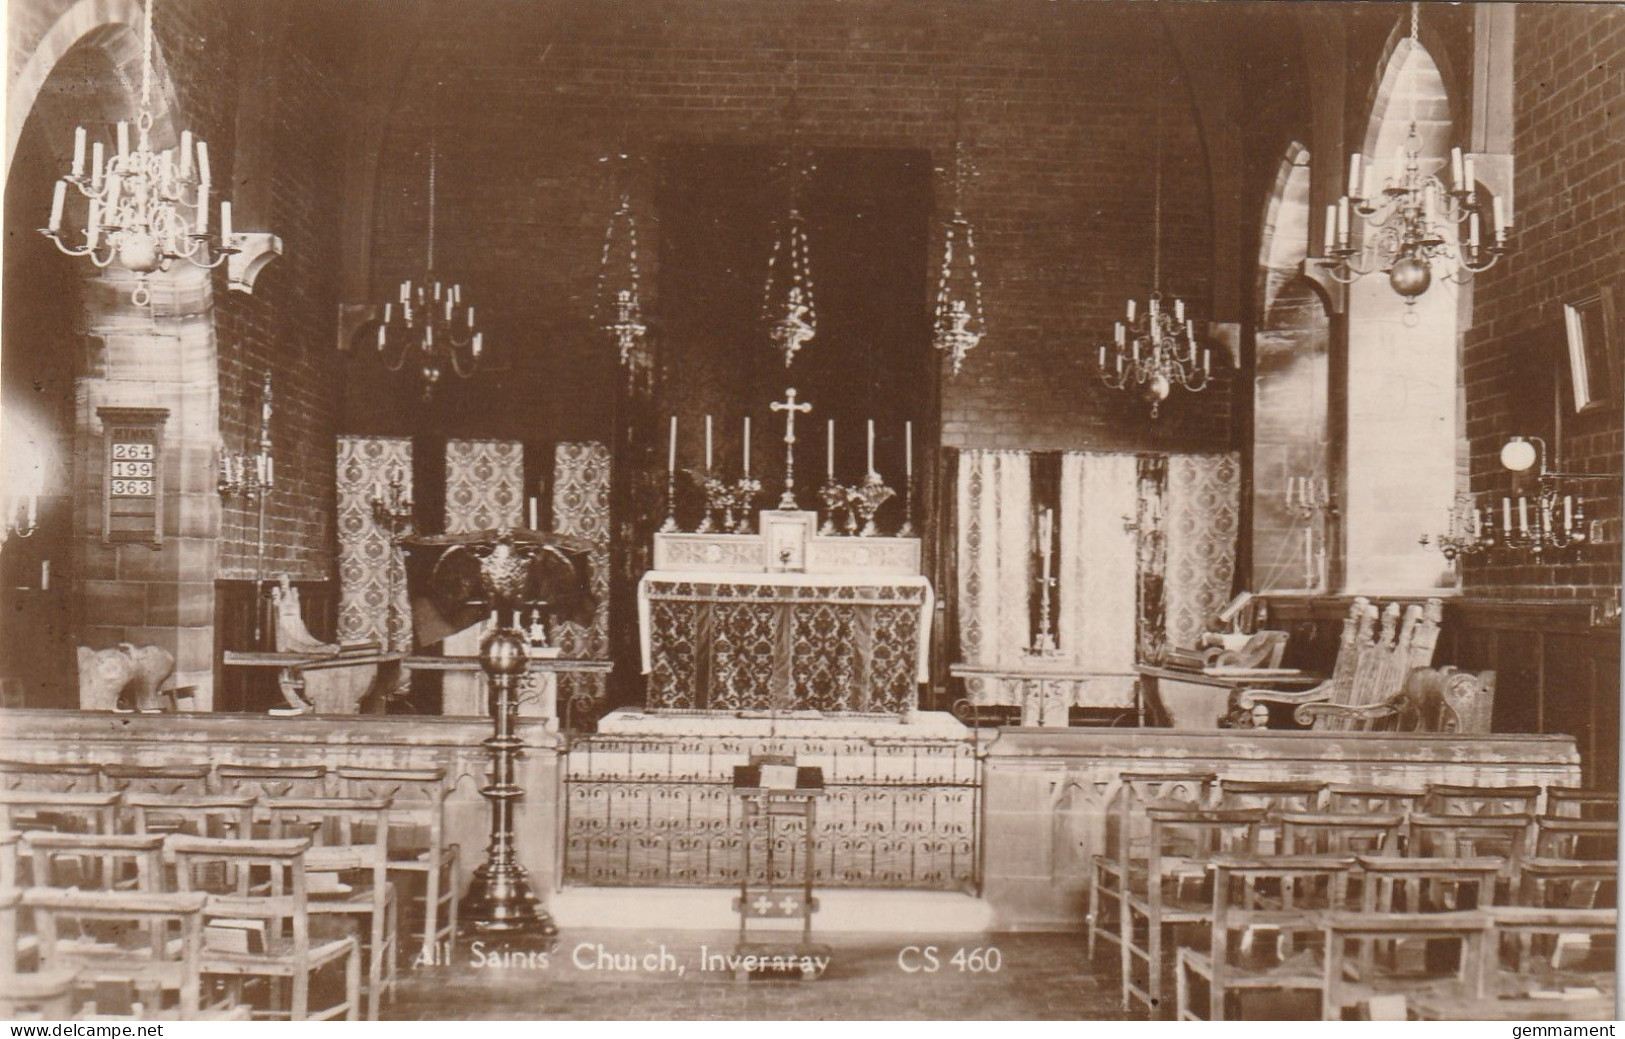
x: 1282, y: 927
x: 241, y: 909
x: 421, y: 857
x: 346, y: 838
x: 1142, y: 884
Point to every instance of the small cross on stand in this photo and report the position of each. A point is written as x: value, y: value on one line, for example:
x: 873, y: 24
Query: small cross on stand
x: 787, y: 500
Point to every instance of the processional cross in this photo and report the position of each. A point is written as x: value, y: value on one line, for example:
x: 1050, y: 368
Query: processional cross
x: 787, y: 500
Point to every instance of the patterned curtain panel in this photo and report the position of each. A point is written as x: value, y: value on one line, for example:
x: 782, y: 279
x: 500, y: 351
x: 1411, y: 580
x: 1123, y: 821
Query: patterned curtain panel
x: 372, y: 573
x: 1096, y: 568
x: 581, y: 508
x: 1203, y: 506
x: 995, y: 546
x: 485, y: 485
x: 1150, y: 557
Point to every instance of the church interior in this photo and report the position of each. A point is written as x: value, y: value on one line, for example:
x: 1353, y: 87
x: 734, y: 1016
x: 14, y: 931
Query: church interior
x: 1101, y: 510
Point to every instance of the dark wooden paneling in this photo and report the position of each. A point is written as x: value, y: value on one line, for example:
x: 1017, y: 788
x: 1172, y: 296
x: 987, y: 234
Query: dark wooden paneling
x: 1556, y: 672
x: 254, y: 689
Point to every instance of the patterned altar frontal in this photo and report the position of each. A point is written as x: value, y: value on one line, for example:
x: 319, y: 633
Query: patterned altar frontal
x: 581, y: 507
x: 485, y: 485
x: 373, y: 603
x: 784, y: 642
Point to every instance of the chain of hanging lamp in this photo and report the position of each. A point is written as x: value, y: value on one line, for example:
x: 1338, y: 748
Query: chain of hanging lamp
x: 1153, y: 349
x: 430, y: 324
x: 145, y: 209
x: 959, y: 320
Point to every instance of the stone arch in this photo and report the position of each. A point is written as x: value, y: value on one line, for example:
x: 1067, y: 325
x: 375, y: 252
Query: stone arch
x: 86, y: 69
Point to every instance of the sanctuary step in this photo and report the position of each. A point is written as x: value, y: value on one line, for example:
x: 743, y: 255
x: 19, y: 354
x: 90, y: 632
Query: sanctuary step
x: 866, y: 912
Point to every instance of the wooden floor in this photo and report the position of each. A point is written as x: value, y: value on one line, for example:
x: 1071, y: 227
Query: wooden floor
x: 634, y: 975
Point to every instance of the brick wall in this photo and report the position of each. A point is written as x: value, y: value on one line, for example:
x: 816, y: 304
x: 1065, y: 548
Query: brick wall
x: 1059, y: 112
x: 1569, y: 140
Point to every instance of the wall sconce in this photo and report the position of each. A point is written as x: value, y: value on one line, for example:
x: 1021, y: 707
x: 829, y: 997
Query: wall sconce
x: 1554, y: 518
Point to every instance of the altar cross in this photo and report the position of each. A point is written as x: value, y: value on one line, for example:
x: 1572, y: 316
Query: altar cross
x: 787, y: 500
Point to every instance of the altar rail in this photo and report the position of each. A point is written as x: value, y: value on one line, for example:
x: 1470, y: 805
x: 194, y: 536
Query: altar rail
x: 1047, y: 790
x: 660, y: 812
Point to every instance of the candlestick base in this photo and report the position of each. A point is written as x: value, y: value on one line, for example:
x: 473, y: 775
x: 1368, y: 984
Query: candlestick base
x: 669, y: 525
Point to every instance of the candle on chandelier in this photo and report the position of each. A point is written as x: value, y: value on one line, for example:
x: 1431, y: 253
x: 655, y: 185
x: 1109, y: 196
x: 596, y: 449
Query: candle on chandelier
x: 708, y: 443
x: 1498, y: 209
x: 186, y: 154
x: 203, y: 208
x: 479, y: 344
x: 97, y: 161
x: 1343, y: 220
x: 829, y: 453
x: 57, y: 199
x: 1478, y: 523
x: 1103, y: 357
x: 1523, y: 514
x: 747, y: 445
x: 1472, y: 231
x: 225, y: 224
x: 671, y: 447
x: 1455, y: 169
x: 1506, y: 515
x: 123, y: 140
x: 78, y: 151
x: 1568, y: 513
x: 471, y: 316
x: 1122, y: 334
x: 1331, y: 229
x: 1179, y: 309
x: 871, y: 445
x: 406, y: 292
x: 908, y: 448
x: 203, y: 162
x: 1354, y: 173
x: 1368, y: 184
x: 1207, y: 362
x: 1131, y: 312
x: 1471, y: 187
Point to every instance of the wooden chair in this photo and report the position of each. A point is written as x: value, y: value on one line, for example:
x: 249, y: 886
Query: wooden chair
x: 284, y: 949
x: 350, y: 845
x: 1276, y: 797
x: 1453, y: 799
x: 10, y: 851
x: 1576, y: 838
x: 1521, y: 982
x: 60, y: 777
x: 1354, y: 979
x: 1127, y: 832
x: 1504, y: 837
x: 1331, y: 833
x: 128, y: 862
x: 158, y: 941
x: 200, y: 815
x: 1174, y: 888
x: 1373, y: 661
x: 1267, y: 935
x: 419, y: 851
x: 1568, y: 883
x: 157, y: 779
x: 1355, y: 799
x: 68, y: 811
x: 1573, y: 803
x: 271, y: 780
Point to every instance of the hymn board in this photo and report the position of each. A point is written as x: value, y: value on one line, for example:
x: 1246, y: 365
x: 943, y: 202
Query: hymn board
x: 133, y: 475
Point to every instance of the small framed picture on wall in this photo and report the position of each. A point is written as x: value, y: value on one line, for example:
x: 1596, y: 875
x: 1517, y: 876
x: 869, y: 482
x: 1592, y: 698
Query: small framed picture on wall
x: 1593, y: 339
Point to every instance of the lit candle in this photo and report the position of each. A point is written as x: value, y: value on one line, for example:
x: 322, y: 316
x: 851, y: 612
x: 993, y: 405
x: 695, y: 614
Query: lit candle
x: 1506, y: 515
x: 829, y: 453
x: 871, y: 445
x: 78, y: 151
x: 1455, y: 169
x: 123, y: 140
x: 1354, y: 173
x: 708, y: 443
x: 1568, y: 513
x: 908, y: 448
x: 533, y: 507
x: 57, y: 200
x: 1331, y: 229
x: 1523, y: 514
x: 671, y: 447
x: 747, y: 445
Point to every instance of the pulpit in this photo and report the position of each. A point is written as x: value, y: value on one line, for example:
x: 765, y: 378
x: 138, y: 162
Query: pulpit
x: 785, y: 620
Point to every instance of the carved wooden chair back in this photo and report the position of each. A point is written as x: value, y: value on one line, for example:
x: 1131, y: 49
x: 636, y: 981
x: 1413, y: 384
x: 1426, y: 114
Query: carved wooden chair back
x: 1590, y: 839
x: 1372, y: 989
x: 67, y: 811
x: 149, y: 943
x: 130, y: 862
x: 156, y: 779
x: 59, y: 777
x: 1282, y: 899
x: 1573, y: 803
x: 1457, y: 799
x: 1385, y: 648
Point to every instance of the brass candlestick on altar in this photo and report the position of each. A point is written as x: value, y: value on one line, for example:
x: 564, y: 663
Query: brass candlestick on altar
x: 870, y: 496
x: 836, y: 498
x: 787, y: 500
x: 669, y: 524
x: 717, y: 495
x: 907, y: 529
x: 745, y: 491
